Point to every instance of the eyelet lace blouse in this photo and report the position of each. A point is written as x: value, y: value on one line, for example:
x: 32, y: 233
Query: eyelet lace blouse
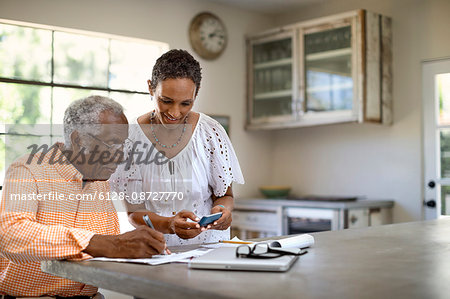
x: 206, y: 165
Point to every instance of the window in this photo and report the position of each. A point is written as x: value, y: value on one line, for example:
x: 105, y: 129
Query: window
x: 42, y: 70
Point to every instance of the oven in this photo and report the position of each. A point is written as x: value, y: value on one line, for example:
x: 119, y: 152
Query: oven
x: 308, y: 220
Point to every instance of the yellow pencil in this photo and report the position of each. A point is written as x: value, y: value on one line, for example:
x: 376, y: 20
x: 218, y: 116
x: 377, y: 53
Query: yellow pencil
x: 235, y: 242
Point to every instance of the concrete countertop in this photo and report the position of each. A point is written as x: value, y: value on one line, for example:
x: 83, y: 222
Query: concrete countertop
x: 407, y: 260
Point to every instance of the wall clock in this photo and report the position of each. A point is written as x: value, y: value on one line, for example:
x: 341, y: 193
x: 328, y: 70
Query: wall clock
x: 208, y: 35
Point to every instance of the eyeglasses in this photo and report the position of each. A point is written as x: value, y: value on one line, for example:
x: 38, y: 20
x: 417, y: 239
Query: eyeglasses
x: 114, y: 146
x: 264, y: 251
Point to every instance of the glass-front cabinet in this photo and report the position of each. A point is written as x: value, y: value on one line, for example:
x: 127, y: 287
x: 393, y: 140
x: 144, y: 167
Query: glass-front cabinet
x: 271, y: 91
x: 330, y: 70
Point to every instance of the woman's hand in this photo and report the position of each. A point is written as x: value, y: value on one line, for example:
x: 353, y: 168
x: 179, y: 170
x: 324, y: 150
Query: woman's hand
x: 223, y: 222
x: 179, y: 225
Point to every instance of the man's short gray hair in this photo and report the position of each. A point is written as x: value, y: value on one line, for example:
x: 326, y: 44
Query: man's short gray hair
x: 84, y: 114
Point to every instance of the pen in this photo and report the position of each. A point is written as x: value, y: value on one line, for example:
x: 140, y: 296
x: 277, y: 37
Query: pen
x: 148, y: 221
x: 150, y: 224
x: 235, y: 242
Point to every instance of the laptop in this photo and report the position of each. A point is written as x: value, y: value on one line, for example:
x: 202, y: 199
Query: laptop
x: 225, y: 259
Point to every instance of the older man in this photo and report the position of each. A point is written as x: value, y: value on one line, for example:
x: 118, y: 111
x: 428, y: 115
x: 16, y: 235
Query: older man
x: 54, y: 205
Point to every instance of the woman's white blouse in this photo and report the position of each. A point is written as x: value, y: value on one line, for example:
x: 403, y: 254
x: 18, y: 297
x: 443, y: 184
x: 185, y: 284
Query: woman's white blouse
x: 206, y: 165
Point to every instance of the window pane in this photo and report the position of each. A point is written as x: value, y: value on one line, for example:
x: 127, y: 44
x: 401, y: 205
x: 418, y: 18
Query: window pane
x: 81, y: 60
x: 62, y: 97
x: 17, y: 146
x: 443, y: 90
x: 272, y: 107
x: 25, y: 53
x: 134, y: 104
x: 272, y: 51
x: 59, y: 134
x: 2, y: 160
x: 328, y: 69
x: 132, y: 64
x: 328, y: 40
x: 24, y: 104
x: 445, y: 200
x: 271, y: 79
x: 445, y: 152
x: 327, y: 91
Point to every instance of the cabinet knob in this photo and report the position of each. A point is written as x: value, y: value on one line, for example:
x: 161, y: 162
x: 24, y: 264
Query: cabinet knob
x: 431, y: 184
x: 353, y: 219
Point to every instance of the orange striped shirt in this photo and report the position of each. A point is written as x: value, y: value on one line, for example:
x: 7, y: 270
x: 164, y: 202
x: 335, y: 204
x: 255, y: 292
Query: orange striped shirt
x: 47, y: 214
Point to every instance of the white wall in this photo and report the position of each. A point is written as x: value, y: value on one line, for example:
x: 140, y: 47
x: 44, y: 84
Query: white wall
x: 223, y: 86
x: 372, y: 160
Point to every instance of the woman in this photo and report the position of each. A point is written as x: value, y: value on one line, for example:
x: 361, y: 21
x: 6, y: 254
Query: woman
x: 189, y: 162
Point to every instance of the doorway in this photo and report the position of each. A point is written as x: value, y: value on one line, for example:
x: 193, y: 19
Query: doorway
x: 436, y: 138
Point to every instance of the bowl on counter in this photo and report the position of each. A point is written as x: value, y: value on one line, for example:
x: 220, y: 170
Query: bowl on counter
x: 275, y: 191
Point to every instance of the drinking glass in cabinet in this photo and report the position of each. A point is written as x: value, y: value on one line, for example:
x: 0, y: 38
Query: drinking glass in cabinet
x: 272, y: 51
x: 267, y: 80
x: 276, y: 79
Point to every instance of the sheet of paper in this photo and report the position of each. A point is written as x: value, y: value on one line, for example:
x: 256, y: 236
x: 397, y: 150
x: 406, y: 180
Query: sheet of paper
x: 220, y: 244
x: 300, y: 241
x: 182, y: 257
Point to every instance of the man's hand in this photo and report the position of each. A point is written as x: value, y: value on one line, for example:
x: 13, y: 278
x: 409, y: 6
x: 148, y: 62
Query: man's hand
x: 140, y: 243
x: 223, y: 222
x: 186, y: 230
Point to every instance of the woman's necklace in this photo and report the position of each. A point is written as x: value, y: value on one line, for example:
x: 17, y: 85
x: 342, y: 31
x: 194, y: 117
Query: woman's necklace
x: 156, y: 138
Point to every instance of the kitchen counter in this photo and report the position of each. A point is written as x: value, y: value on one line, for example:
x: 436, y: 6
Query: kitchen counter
x: 260, y: 203
x: 406, y: 260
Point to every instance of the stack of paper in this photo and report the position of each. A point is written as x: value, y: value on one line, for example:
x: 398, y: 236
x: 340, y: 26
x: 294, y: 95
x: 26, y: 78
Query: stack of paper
x: 299, y: 241
x: 182, y: 257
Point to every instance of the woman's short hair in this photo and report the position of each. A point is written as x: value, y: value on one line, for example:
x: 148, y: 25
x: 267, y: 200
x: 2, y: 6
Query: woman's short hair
x: 176, y: 64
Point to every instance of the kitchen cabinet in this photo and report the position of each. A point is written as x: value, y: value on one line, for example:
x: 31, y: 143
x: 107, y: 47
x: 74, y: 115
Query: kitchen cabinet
x: 329, y: 70
x: 259, y: 218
